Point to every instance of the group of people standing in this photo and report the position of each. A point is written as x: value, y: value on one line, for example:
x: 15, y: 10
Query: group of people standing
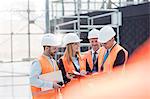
x: 104, y: 55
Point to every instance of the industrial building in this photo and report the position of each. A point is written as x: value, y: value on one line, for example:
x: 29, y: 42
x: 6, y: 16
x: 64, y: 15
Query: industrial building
x: 23, y: 22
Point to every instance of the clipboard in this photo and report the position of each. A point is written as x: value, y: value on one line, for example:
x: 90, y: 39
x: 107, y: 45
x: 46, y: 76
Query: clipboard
x: 52, y: 77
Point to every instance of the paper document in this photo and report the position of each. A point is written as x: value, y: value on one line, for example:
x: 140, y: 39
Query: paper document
x: 53, y: 77
x: 75, y: 72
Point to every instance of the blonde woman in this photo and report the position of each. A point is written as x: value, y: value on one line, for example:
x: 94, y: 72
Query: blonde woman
x: 71, y: 63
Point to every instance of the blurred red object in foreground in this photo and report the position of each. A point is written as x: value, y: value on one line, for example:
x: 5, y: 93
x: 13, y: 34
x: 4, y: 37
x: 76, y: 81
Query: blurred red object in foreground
x: 134, y: 83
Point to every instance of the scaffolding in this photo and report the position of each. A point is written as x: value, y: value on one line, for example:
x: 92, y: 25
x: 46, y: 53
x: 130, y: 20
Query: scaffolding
x: 54, y: 12
x: 116, y: 21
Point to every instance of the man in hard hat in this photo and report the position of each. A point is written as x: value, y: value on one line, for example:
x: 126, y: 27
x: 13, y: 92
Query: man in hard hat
x: 92, y: 55
x: 115, y: 55
x: 71, y: 63
x: 45, y: 64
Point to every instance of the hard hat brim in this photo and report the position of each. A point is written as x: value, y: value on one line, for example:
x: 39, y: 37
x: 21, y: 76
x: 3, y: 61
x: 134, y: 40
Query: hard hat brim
x: 105, y: 40
x: 64, y: 45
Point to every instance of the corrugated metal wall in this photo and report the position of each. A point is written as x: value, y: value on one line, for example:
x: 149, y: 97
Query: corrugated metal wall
x: 136, y: 26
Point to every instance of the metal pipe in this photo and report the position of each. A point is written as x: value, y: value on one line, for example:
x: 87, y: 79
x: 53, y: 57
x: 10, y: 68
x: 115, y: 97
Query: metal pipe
x: 63, y: 12
x: 11, y: 42
x: 28, y: 11
x: 102, y: 15
x: 74, y: 27
x: 78, y: 14
x: 96, y: 26
x: 11, y: 38
x: 88, y: 4
x: 118, y: 39
x: 66, y: 23
x: 75, y: 7
x: 64, y: 31
x: 47, y: 16
x: 74, y: 16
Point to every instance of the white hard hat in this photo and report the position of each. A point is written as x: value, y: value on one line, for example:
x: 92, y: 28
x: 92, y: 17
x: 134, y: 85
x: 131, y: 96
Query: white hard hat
x: 71, y: 38
x: 49, y: 39
x: 93, y: 33
x: 106, y: 34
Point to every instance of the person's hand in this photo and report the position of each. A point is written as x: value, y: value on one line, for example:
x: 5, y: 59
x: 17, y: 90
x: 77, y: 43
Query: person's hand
x: 70, y: 76
x: 55, y: 85
x: 83, y: 73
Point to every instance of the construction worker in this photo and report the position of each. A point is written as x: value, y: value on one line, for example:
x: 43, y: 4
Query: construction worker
x: 93, y: 55
x: 115, y: 55
x: 71, y: 61
x: 45, y: 64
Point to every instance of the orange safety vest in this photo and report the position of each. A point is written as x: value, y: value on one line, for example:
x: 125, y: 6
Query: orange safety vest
x: 46, y: 68
x: 69, y: 66
x: 108, y: 65
x: 88, y: 56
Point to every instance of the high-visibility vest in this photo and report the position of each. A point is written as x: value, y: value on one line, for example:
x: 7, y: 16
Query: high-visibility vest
x: 46, y: 67
x: 69, y: 66
x: 88, y: 56
x: 108, y: 64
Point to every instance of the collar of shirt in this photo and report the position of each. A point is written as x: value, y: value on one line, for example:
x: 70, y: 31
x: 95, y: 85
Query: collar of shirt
x: 76, y: 62
x: 74, y: 57
x: 47, y: 56
x: 51, y: 61
x: 112, y: 46
x: 94, y: 51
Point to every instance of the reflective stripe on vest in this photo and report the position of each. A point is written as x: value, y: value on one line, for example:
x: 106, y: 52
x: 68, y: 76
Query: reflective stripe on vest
x: 46, y: 67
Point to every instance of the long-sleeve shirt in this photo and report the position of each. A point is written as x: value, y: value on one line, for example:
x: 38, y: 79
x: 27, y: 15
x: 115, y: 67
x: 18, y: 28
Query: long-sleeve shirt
x: 76, y: 62
x: 36, y: 72
x: 62, y: 68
